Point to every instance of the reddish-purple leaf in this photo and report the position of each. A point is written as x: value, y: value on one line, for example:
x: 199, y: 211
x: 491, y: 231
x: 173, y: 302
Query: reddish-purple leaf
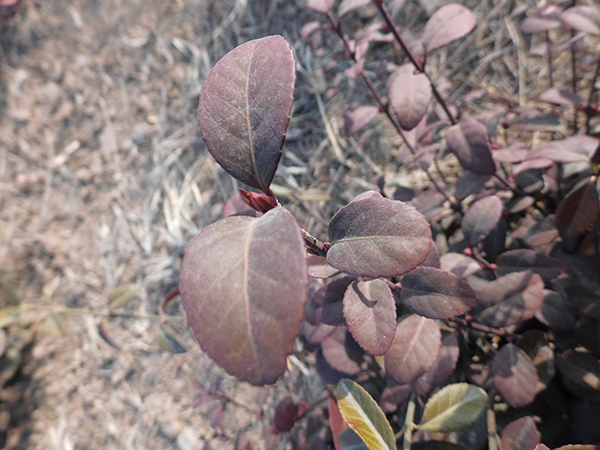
x: 514, y: 375
x: 376, y: 237
x: 542, y: 233
x: 322, y: 6
x: 441, y: 369
x: 245, y: 106
x: 556, y: 311
x: 357, y: 118
x: 537, y: 24
x: 415, y: 348
x: 470, y: 183
x: 243, y: 286
x: 335, y: 353
x: 560, y: 96
x: 315, y: 334
x: 370, y: 313
x: 521, y: 434
x: 318, y: 267
x: 587, y: 333
x: 571, y: 149
x: 576, y: 212
x: 514, y: 153
x: 327, y: 301
x: 433, y: 258
x: 481, y: 218
x: 336, y: 421
x: 511, y: 299
x: 470, y: 143
x: 348, y: 5
x: 581, y: 373
x: 537, y: 347
x: 447, y: 24
x: 436, y: 294
x: 582, y: 18
x: 394, y: 396
x: 410, y: 94
x: 523, y: 259
x: 286, y: 414
x: 459, y: 264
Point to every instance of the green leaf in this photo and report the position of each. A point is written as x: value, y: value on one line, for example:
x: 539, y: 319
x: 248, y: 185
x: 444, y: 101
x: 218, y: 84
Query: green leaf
x: 453, y: 408
x: 167, y: 340
x: 350, y: 440
x: 364, y: 416
x: 122, y: 295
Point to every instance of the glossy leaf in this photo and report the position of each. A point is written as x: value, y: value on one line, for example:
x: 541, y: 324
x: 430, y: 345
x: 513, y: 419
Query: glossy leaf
x: 576, y: 212
x: 410, y: 94
x: 481, y: 218
x: 243, y: 285
x: 322, y: 6
x: 522, y: 260
x: 364, y: 416
x: 245, y: 106
x: 441, y: 369
x: 358, y: 118
x: 469, y: 141
x: 370, y: 312
x: 327, y: 302
x: 514, y: 375
x: 453, y: 408
x: 581, y: 373
x: 376, y: 237
x: 436, y: 294
x: 583, y: 18
x: 511, y: 299
x: 348, y: 5
x: 521, y: 434
x: 415, y: 348
x: 447, y: 24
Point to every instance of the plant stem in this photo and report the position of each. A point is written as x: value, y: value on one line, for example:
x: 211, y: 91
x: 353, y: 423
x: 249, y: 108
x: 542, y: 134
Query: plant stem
x: 465, y: 323
x: 313, y: 243
x: 574, y: 78
x: 408, y: 422
x: 517, y: 190
x: 420, y: 67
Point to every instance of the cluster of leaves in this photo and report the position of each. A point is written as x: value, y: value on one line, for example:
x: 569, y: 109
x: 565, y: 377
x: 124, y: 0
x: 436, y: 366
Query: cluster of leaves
x: 478, y: 296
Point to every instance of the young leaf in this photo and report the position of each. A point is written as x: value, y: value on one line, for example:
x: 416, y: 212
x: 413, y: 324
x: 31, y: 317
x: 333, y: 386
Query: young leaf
x: 447, y: 24
x: 358, y: 118
x: 441, y: 369
x: 481, y: 218
x: 348, y: 5
x: 376, y: 237
x: 470, y: 143
x: 415, y: 348
x: 436, y: 294
x: 523, y: 259
x: 453, y: 408
x: 410, y: 94
x: 514, y: 375
x: 364, y: 416
x: 370, y: 313
x: 521, y: 434
x: 576, y: 212
x: 243, y: 286
x: 245, y: 106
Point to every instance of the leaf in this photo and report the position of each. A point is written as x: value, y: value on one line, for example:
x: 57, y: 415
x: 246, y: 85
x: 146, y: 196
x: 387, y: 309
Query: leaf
x: 336, y: 421
x: 435, y: 445
x: 523, y: 259
x: 556, y: 311
x: 348, y: 5
x: 410, y: 94
x: 459, y: 264
x: 54, y: 326
x: 576, y: 212
x: 536, y: 24
x: 364, y: 416
x: 415, y: 348
x: 376, y: 237
x: 559, y: 96
x: 453, y: 408
x: 436, y: 294
x: 370, y: 313
x: 243, y: 286
x: 512, y: 299
x: 318, y: 267
x: 581, y: 373
x: 514, y: 375
x: 245, y: 106
x: 327, y: 301
x: 358, y: 118
x: 469, y: 141
x: 286, y: 414
x: 336, y: 354
x: 350, y: 440
x: 447, y: 24
x: 536, y: 345
x: 167, y: 340
x: 122, y: 295
x: 441, y: 369
x: 481, y: 218
x: 582, y: 18
x: 521, y: 434
x: 571, y: 149
x: 322, y: 6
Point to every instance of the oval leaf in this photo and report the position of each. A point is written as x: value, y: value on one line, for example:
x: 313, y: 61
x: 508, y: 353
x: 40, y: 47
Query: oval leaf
x: 245, y: 106
x: 327, y: 302
x: 364, y: 416
x: 521, y: 434
x: 370, y: 312
x: 453, y: 408
x: 514, y: 375
x: 436, y: 294
x: 376, y: 237
x: 415, y: 348
x: 348, y: 5
x: 470, y: 143
x: 336, y: 421
x: 447, y: 24
x: 576, y: 212
x: 243, y: 286
x: 322, y: 6
x: 410, y: 94
x: 481, y: 218
x: 583, y: 18
x: 581, y: 373
x: 358, y: 118
x: 557, y: 311
x: 441, y: 369
x: 523, y: 259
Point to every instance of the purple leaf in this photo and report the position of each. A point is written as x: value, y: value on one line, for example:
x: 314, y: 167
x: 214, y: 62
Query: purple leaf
x: 470, y: 143
x: 376, y: 237
x: 318, y: 267
x: 410, y: 94
x: 441, y: 369
x: 582, y: 18
x: 348, y: 5
x: 322, y: 6
x: 559, y: 96
x: 537, y: 347
x: 436, y: 294
x: 514, y: 153
x: 523, y: 259
x: 511, y: 299
x: 245, y: 106
x: 576, y: 212
x: 470, y: 183
x: 571, y: 149
x: 370, y: 313
x: 459, y: 264
x: 394, y: 396
x: 327, y: 301
x: 357, y: 118
x: 557, y: 311
x: 447, y: 24
x: 335, y: 353
x: 514, y: 375
x: 581, y: 373
x: 521, y: 434
x: 415, y: 348
x: 535, y: 24
x: 481, y: 218
x: 433, y: 258
x: 243, y: 285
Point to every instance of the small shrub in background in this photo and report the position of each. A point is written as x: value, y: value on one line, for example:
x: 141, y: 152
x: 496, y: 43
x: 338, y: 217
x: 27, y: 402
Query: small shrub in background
x: 470, y: 314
